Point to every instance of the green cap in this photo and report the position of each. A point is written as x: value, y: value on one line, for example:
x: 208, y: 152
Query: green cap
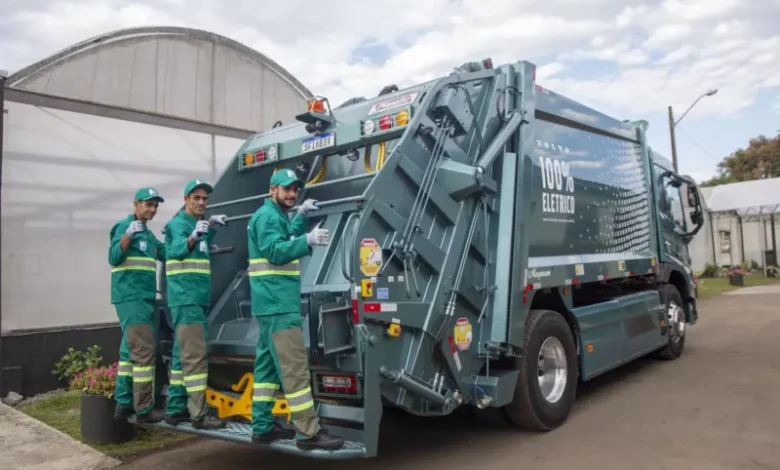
x: 285, y: 177
x: 192, y: 185
x: 145, y: 194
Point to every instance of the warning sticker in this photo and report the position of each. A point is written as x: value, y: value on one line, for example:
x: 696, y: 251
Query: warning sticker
x: 463, y: 334
x: 370, y: 257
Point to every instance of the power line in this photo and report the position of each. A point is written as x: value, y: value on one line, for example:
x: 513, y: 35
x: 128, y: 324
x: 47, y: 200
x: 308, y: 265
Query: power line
x: 716, y: 159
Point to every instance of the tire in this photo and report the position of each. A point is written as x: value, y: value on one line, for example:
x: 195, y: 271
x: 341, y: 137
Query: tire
x: 675, y: 320
x: 530, y: 409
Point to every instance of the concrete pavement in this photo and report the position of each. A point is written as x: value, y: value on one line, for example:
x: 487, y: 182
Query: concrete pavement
x: 28, y: 444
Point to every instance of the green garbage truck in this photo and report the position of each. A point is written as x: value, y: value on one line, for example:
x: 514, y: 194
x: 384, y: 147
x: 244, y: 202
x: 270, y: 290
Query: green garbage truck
x: 492, y: 244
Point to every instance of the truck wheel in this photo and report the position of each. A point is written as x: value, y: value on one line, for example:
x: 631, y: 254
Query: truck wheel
x: 675, y: 320
x: 547, y: 383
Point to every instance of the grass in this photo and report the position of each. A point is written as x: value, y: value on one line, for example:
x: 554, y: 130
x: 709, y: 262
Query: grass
x: 712, y: 286
x: 62, y: 412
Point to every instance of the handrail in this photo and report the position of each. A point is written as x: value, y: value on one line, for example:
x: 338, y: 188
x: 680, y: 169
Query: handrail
x: 319, y: 204
x: 344, y: 258
x: 346, y: 179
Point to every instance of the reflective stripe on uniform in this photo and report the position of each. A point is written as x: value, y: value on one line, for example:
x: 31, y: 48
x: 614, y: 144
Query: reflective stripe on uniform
x: 177, y: 377
x: 143, y: 373
x: 262, y: 267
x: 125, y: 369
x: 188, y: 266
x: 301, y: 400
x: 265, y: 392
x: 196, y: 383
x: 137, y: 263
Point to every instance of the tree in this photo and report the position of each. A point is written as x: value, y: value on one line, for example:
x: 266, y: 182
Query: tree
x: 760, y: 160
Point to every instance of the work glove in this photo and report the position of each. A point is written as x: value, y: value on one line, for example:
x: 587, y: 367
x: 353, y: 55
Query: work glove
x: 136, y: 226
x: 318, y: 236
x: 308, y: 206
x: 218, y: 219
x: 201, y: 228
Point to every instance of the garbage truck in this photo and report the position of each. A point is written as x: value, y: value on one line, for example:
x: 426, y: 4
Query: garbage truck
x: 492, y: 245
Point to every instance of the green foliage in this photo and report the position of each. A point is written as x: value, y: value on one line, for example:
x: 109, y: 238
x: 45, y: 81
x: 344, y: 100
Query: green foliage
x: 710, y: 270
x: 96, y: 380
x: 754, y: 266
x: 75, y: 362
x: 761, y: 159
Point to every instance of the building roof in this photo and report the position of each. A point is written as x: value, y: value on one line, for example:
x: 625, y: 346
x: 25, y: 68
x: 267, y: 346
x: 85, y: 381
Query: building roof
x: 745, y: 198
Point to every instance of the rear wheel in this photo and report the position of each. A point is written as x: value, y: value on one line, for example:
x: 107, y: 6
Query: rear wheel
x: 547, y: 382
x: 675, y: 321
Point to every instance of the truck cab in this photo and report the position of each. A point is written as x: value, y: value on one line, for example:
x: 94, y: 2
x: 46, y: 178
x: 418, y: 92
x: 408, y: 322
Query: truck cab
x: 680, y: 217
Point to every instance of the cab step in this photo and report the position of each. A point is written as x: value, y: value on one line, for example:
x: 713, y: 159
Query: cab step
x: 241, y: 433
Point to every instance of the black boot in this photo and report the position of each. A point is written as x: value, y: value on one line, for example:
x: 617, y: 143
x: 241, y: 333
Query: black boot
x: 278, y: 432
x: 178, y: 418
x: 151, y: 416
x: 208, y: 422
x: 122, y: 412
x: 321, y: 440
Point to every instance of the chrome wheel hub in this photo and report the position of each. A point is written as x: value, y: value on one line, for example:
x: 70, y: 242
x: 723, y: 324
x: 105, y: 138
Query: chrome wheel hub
x: 676, y: 320
x: 552, y: 369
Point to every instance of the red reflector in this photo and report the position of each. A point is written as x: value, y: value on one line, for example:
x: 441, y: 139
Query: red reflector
x: 385, y: 122
x: 355, y: 313
x: 260, y: 156
x: 529, y: 287
x: 575, y: 281
x: 452, y: 344
x: 337, y: 383
x: 372, y: 307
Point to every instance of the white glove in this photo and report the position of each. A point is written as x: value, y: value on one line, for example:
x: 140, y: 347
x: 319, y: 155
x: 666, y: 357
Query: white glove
x: 308, y: 206
x: 136, y: 226
x: 218, y: 219
x: 201, y: 228
x: 318, y: 236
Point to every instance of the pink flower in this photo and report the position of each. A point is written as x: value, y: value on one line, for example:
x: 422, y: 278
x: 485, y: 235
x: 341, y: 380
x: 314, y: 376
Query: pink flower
x: 92, y: 381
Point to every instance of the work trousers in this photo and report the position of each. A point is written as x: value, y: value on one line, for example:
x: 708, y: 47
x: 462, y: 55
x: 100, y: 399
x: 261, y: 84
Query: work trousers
x: 189, y: 364
x: 135, y: 382
x: 281, y: 362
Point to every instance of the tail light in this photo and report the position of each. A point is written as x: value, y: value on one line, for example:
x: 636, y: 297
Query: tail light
x: 338, y: 383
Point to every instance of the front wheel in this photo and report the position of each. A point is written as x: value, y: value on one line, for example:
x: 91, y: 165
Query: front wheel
x: 547, y: 382
x: 675, y: 321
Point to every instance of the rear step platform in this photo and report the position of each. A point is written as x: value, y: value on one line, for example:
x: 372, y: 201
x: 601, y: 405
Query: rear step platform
x: 242, y: 434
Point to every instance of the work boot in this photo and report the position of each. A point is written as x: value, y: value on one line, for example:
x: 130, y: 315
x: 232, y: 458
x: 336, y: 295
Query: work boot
x: 321, y: 440
x: 208, y: 422
x: 122, y: 412
x: 278, y: 432
x: 151, y: 416
x: 177, y: 418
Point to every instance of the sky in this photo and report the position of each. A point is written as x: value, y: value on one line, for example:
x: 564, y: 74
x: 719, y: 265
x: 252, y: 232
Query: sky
x: 627, y: 58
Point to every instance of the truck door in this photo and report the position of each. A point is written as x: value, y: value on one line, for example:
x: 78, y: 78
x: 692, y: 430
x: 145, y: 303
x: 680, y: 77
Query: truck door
x: 673, y: 221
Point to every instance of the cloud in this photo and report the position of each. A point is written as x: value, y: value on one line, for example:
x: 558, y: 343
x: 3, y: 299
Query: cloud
x: 665, y: 53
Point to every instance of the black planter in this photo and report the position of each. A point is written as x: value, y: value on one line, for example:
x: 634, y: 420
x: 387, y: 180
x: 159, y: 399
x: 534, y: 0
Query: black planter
x: 98, y: 425
x: 736, y: 280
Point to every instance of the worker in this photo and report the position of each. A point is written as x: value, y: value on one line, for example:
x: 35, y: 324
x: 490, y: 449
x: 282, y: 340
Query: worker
x: 133, y: 253
x: 188, y: 236
x: 275, y: 244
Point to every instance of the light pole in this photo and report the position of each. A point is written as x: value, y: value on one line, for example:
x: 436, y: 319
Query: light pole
x: 672, y: 125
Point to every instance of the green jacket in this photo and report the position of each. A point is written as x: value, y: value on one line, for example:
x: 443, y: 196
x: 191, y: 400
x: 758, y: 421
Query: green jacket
x: 134, y: 272
x: 187, y: 273
x: 275, y: 244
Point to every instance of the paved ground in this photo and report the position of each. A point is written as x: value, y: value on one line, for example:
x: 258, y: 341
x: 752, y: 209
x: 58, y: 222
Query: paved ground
x: 718, y: 407
x: 39, y: 447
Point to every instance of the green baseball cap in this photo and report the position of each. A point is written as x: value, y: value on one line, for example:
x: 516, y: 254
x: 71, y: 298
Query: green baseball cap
x: 192, y: 185
x: 285, y: 177
x: 145, y: 194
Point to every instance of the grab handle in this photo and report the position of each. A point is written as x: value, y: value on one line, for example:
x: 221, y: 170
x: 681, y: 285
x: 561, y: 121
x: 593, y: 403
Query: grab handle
x: 347, y: 240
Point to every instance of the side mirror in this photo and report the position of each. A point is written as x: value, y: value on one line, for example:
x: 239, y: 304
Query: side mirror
x: 697, y: 218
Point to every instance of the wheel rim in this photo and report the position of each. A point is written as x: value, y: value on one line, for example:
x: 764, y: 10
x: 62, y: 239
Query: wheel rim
x: 676, y: 319
x: 552, y: 369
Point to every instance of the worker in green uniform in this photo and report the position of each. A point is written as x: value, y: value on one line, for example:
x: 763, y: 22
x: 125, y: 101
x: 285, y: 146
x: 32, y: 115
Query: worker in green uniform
x: 275, y: 244
x: 188, y: 276
x: 133, y: 253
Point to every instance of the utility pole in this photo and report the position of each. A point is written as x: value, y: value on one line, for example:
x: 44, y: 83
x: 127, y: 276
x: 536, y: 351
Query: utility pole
x: 673, y: 124
x: 3, y: 76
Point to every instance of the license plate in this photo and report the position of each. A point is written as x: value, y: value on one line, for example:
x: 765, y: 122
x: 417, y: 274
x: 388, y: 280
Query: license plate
x: 319, y: 142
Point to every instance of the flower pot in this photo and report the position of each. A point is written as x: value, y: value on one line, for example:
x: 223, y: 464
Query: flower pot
x: 736, y: 280
x: 98, y: 425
